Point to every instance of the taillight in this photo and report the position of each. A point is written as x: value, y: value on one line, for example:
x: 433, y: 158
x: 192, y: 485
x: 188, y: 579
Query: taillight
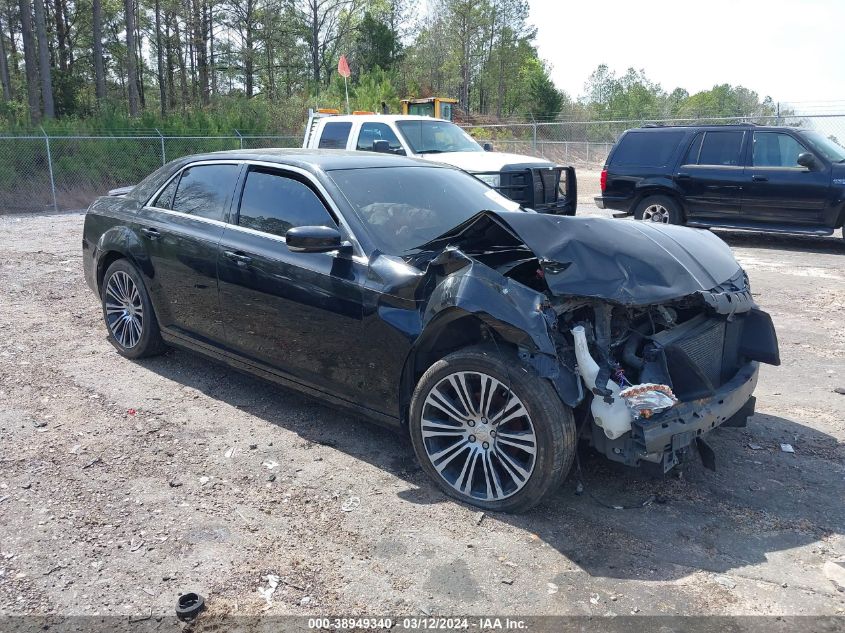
x: 603, y: 180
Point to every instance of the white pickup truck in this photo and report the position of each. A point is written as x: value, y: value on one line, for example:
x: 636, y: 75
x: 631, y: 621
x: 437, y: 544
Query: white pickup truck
x: 532, y: 182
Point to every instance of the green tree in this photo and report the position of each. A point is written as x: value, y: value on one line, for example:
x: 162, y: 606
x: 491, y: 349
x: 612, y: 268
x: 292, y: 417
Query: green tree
x: 376, y: 45
x: 544, y: 101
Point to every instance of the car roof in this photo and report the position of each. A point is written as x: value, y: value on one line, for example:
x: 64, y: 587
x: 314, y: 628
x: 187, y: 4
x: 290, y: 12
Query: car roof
x: 384, y: 118
x: 316, y: 159
x: 711, y: 127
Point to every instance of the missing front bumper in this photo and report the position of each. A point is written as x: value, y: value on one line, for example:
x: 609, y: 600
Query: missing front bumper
x: 668, y: 437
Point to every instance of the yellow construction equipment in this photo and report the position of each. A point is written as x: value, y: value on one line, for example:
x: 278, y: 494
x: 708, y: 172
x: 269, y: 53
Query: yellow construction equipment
x: 436, y: 107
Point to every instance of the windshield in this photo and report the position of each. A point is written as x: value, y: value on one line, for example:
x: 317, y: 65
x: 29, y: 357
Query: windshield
x: 405, y: 207
x: 828, y: 148
x: 435, y: 137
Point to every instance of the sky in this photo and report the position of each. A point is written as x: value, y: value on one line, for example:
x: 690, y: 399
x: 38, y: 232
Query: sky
x: 793, y: 51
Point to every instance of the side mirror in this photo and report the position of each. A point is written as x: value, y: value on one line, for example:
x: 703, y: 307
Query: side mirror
x: 806, y: 159
x: 381, y: 147
x: 488, y: 147
x: 313, y: 239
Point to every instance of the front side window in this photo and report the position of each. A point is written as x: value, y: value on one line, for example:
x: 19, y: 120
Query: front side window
x: 335, y: 135
x: 721, y: 148
x: 372, y: 132
x: 436, y: 137
x: 774, y: 149
x: 205, y: 190
x: 826, y: 146
x: 273, y: 203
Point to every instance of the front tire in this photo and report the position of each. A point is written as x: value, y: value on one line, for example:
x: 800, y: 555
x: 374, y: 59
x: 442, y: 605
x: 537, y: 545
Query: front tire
x: 659, y: 209
x: 490, y: 432
x: 128, y: 312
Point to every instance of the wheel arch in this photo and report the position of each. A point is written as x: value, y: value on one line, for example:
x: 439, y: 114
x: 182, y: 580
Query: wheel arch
x: 662, y: 187
x: 120, y: 242
x: 451, y: 330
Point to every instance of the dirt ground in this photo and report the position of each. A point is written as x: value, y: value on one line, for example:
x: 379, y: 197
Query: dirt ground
x: 124, y: 484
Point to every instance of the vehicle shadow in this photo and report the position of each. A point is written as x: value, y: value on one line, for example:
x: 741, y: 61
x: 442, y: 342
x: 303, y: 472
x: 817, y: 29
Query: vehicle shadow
x: 759, y: 501
x: 833, y: 245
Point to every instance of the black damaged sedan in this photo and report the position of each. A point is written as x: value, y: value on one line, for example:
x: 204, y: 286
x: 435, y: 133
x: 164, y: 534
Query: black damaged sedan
x: 417, y: 296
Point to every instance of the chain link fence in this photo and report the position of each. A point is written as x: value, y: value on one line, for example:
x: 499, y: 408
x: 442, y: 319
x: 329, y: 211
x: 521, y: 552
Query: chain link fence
x: 45, y: 172
x: 586, y: 144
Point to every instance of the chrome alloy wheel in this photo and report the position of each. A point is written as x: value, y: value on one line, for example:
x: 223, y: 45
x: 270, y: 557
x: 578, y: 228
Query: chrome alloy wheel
x: 124, y: 309
x: 656, y: 213
x: 478, y: 436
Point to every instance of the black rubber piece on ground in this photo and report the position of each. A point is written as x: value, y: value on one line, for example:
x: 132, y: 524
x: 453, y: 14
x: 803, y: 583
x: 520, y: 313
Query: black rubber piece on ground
x: 189, y: 606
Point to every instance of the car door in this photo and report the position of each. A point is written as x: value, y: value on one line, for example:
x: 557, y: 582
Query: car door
x: 181, y: 230
x: 299, y: 313
x: 711, y: 175
x: 778, y: 188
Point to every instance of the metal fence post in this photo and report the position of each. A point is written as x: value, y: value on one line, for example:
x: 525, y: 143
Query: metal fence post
x: 534, y: 141
x: 50, y: 168
x: 163, y: 157
x: 240, y: 139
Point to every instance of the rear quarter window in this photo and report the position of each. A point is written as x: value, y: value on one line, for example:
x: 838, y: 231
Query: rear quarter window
x: 646, y: 149
x: 335, y: 135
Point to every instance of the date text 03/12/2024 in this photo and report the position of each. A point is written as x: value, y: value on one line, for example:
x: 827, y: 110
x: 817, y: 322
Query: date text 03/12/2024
x: 419, y: 623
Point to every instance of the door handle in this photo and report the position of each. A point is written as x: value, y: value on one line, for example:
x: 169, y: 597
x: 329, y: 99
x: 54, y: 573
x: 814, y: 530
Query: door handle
x: 758, y: 178
x: 153, y: 234
x: 242, y: 259
x: 682, y: 175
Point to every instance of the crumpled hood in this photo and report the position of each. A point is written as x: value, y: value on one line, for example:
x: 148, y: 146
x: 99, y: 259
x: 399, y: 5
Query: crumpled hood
x: 483, y: 161
x: 627, y: 262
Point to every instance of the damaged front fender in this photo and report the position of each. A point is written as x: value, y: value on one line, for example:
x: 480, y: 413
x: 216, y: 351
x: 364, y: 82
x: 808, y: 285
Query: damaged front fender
x: 522, y: 314
x: 506, y: 309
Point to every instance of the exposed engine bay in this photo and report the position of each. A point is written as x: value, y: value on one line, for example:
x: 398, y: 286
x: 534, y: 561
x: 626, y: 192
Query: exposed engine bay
x: 656, y: 343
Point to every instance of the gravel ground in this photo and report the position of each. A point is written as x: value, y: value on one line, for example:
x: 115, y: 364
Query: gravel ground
x: 124, y: 484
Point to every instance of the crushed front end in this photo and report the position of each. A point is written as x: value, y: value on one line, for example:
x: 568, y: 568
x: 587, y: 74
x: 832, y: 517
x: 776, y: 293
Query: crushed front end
x: 704, y: 348
x: 617, y: 315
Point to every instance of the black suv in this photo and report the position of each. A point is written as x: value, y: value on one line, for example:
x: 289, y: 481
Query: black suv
x: 776, y: 179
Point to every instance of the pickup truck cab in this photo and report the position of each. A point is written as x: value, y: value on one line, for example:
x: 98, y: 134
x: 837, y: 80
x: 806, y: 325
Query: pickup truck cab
x: 532, y: 182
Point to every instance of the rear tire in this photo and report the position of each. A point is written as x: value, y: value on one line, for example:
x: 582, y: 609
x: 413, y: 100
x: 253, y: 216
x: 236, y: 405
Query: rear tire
x: 507, y: 442
x: 659, y: 209
x: 128, y: 312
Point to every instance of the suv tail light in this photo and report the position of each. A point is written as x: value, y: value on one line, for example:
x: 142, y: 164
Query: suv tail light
x: 603, y: 180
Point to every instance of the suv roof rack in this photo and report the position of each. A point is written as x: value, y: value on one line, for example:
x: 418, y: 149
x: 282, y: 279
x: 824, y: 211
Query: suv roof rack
x: 653, y: 125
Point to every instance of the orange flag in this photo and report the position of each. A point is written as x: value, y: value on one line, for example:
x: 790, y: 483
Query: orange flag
x: 343, y: 67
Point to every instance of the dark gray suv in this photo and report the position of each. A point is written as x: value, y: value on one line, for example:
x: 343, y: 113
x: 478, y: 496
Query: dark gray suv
x: 774, y: 179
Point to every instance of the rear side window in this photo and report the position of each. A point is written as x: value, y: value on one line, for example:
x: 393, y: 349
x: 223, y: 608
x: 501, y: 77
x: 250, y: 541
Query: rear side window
x: 273, y: 203
x: 775, y: 149
x: 646, y: 149
x: 694, y: 150
x: 335, y: 135
x: 205, y: 190
x: 721, y: 148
